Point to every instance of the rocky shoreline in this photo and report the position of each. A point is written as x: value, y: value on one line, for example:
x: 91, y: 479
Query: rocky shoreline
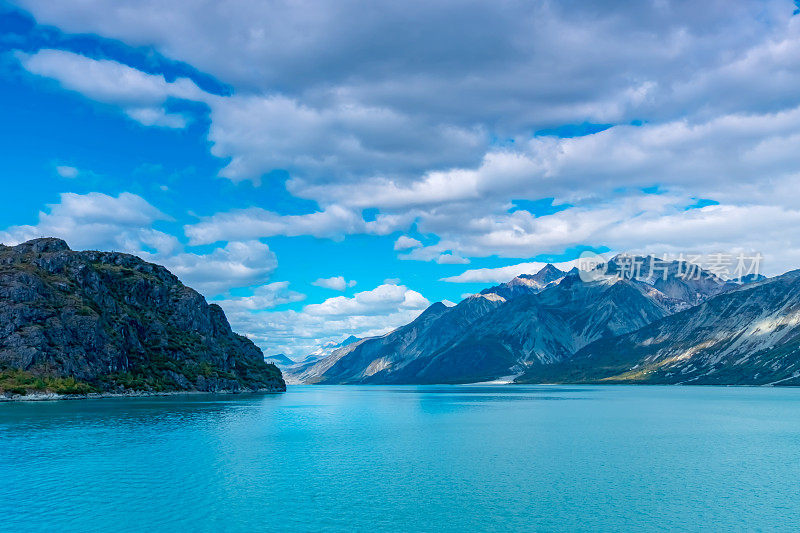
x: 52, y: 396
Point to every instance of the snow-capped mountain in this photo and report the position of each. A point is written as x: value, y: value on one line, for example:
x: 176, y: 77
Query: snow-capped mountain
x: 296, y: 372
x: 527, y: 283
x: 750, y: 335
x: 532, y: 321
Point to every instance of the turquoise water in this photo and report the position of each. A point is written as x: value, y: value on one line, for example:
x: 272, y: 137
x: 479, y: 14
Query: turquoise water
x: 450, y: 458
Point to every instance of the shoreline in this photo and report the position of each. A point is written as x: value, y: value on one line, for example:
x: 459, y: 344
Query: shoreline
x: 51, y: 396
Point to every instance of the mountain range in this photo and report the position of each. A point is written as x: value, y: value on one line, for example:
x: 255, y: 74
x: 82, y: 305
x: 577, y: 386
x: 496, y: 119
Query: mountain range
x: 668, y: 323
x: 746, y: 336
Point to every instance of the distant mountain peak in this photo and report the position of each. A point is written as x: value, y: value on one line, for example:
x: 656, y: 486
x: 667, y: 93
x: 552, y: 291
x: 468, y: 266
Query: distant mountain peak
x: 433, y: 310
x: 548, y: 274
x: 349, y: 340
x: 279, y: 359
x: 525, y: 283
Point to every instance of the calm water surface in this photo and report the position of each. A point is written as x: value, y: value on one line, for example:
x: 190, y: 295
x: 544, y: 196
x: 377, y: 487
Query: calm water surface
x: 436, y: 458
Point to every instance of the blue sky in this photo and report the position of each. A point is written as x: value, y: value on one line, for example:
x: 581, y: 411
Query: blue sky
x: 328, y: 169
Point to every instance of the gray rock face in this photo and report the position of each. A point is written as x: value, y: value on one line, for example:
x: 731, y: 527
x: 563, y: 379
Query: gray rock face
x: 747, y: 336
x: 117, y: 323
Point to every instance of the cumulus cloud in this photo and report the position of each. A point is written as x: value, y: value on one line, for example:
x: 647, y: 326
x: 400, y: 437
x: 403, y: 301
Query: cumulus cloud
x: 380, y: 300
x: 333, y: 223
x: 124, y: 223
x: 237, y: 264
x: 261, y: 298
x: 349, y: 152
x: 367, y: 313
x: 705, y: 157
x: 141, y: 96
x: 428, y: 100
x: 451, y: 259
x: 260, y: 132
x: 337, y: 283
x: 98, y: 221
x: 464, y: 63
x: 344, y: 141
x: 656, y: 224
x: 404, y: 242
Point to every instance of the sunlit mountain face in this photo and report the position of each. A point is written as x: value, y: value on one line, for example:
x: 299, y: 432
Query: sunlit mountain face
x: 332, y: 171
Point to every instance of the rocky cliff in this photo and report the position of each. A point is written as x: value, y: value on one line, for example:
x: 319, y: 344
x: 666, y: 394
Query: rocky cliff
x: 77, y: 322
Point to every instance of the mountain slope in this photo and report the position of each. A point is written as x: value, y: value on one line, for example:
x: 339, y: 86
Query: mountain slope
x: 750, y: 335
x: 434, y: 328
x: 113, y: 322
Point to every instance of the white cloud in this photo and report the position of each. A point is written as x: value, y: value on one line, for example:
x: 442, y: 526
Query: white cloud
x: 404, y: 242
x: 706, y: 158
x: 465, y: 63
x: 342, y: 141
x: 725, y: 153
x: 337, y: 283
x: 422, y: 105
x: 297, y: 333
x: 124, y: 223
x: 380, y: 300
x: 260, y: 132
x: 142, y: 96
x: 156, y: 116
x: 98, y: 221
x: 334, y: 222
x: 262, y: 298
x: 655, y: 224
x: 66, y: 171
x: 503, y: 274
x: 451, y: 259
x: 237, y: 264
x: 367, y: 313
